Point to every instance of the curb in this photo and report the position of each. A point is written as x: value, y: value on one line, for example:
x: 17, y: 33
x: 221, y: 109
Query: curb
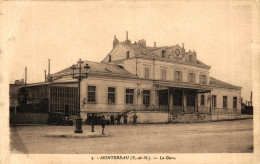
x: 75, y: 135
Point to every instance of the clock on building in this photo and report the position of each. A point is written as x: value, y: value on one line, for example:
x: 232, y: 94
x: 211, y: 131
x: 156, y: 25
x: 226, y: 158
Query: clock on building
x: 177, y: 52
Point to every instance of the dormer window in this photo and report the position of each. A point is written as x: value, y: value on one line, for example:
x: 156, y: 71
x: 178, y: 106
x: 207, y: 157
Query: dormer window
x: 163, y: 53
x: 127, y: 54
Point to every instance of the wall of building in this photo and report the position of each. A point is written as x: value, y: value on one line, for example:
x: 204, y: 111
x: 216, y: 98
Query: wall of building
x: 120, y: 85
x: 130, y: 65
x: 145, y: 117
x: 156, y: 66
x: 230, y: 93
x: 119, y: 53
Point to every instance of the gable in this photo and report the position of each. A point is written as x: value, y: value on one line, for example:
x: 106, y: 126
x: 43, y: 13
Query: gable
x: 119, y: 53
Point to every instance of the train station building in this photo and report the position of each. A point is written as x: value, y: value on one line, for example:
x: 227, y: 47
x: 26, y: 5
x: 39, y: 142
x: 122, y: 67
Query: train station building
x: 160, y: 84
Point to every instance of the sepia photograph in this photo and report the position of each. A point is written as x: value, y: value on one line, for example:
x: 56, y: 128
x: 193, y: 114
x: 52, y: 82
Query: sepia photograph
x: 140, y: 81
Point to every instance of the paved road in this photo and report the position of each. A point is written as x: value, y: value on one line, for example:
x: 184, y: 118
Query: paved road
x: 213, y: 137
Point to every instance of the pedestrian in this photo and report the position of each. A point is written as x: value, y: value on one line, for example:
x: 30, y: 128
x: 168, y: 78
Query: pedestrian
x: 103, y: 123
x: 125, y: 119
x: 118, y: 119
x: 135, y: 119
x: 112, y: 119
x: 92, y: 121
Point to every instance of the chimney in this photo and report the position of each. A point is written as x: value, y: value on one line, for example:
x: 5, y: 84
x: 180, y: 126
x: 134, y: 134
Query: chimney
x: 154, y: 44
x: 49, y: 67
x: 183, y: 49
x: 142, y: 43
x: 22, y: 81
x: 115, y: 42
x: 45, y: 75
x: 195, y: 54
x: 127, y: 41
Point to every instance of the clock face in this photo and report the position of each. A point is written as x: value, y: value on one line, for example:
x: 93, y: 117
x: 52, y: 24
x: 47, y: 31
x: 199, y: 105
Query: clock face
x: 177, y: 52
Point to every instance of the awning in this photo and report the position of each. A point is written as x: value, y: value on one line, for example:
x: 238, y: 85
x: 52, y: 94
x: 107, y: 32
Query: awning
x: 171, y: 84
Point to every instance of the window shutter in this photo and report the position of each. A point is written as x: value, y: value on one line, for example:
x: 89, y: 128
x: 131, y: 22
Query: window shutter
x: 180, y: 76
x: 206, y: 79
x: 175, y: 75
x: 200, y: 79
x: 189, y: 77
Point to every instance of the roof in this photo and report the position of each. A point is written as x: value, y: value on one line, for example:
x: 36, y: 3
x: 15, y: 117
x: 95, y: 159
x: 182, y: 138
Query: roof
x: 146, y: 53
x: 215, y: 83
x: 96, y: 69
x: 183, y: 85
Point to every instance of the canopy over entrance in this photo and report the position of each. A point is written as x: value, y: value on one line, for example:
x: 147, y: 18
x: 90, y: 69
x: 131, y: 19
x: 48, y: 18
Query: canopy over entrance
x: 162, y: 85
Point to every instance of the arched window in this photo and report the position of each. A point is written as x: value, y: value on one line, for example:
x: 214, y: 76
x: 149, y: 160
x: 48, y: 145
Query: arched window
x: 202, y: 100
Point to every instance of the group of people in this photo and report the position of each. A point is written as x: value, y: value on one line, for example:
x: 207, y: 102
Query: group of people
x: 125, y: 117
x: 102, y: 120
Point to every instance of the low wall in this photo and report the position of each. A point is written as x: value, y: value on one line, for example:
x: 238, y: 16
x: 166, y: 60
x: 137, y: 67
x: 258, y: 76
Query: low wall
x: 189, y: 118
x: 149, y: 117
x: 221, y: 117
x: 29, y: 118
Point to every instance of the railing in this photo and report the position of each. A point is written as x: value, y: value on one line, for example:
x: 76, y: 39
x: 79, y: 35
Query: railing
x: 178, y: 109
x: 225, y: 111
x: 204, y: 110
x: 146, y: 108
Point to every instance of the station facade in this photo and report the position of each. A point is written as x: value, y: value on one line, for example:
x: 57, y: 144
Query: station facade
x: 156, y: 82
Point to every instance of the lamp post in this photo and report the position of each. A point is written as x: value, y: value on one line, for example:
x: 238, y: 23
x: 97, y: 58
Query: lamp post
x: 79, y: 75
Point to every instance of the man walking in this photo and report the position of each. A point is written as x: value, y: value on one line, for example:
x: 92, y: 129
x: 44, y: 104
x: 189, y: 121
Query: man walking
x: 92, y: 121
x: 112, y: 119
x: 118, y: 119
x: 135, y: 119
x: 103, y: 123
x: 125, y: 119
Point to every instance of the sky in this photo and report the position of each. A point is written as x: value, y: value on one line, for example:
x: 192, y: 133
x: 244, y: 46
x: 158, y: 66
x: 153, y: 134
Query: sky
x: 64, y: 31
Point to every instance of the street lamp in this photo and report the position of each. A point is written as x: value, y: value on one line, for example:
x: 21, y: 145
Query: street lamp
x: 79, y: 75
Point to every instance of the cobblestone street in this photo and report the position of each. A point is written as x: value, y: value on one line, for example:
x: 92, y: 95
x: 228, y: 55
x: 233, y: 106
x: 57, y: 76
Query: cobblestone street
x: 212, y: 137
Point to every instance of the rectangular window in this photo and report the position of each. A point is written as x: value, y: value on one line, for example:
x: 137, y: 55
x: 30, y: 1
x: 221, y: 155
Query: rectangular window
x: 92, y: 94
x: 129, y: 96
x: 127, y: 54
x: 109, y: 58
x: 224, y: 101
x: 146, y: 97
x: 111, y: 95
x: 191, y: 77
x: 177, y: 76
x: 163, y: 74
x: 234, y: 102
x: 214, y: 101
x: 163, y: 53
x: 203, y: 79
x: 146, y: 72
x: 202, y: 100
